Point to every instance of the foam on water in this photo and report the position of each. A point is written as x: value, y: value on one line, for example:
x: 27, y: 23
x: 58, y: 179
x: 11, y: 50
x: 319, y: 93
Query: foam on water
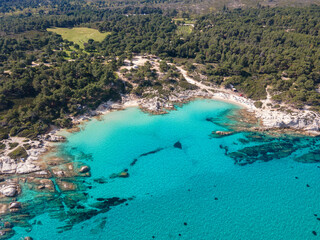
x: 197, y: 191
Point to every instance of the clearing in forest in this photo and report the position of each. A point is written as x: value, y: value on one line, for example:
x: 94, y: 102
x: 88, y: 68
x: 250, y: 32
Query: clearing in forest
x: 79, y: 35
x: 184, y: 30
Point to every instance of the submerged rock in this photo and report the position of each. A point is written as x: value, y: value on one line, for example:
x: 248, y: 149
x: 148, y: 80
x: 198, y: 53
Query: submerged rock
x: 221, y: 133
x: 265, y: 152
x: 66, y: 185
x: 100, y: 180
x: 4, y: 208
x: 7, y: 225
x: 6, y: 233
x: 311, y: 157
x: 178, y: 145
x: 84, y: 169
x: 123, y: 174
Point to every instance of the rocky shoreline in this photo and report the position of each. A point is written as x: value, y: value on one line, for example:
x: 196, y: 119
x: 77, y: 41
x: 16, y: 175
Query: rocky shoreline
x: 24, y: 163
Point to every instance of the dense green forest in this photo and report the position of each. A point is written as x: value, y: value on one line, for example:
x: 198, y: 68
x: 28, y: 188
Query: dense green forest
x: 251, y: 49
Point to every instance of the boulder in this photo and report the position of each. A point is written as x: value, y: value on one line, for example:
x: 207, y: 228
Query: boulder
x: 123, y: 174
x: 9, y: 191
x: 28, y: 238
x: 66, y: 186
x: 84, y: 169
x: 8, y: 225
x: 7, y: 232
x: 4, y: 208
x: 222, y: 133
x: 15, y: 205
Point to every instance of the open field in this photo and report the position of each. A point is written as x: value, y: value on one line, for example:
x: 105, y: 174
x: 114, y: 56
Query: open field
x: 185, y: 20
x: 184, y: 30
x: 79, y: 35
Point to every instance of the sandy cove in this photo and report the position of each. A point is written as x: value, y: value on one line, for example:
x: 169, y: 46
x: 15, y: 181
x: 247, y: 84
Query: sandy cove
x: 33, y: 169
x: 302, y: 120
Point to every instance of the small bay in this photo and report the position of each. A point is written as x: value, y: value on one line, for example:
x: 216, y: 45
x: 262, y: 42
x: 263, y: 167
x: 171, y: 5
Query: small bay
x: 181, y: 184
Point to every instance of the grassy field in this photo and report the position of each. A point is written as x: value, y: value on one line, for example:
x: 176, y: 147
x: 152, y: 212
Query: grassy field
x: 184, y: 30
x: 185, y: 20
x: 79, y: 35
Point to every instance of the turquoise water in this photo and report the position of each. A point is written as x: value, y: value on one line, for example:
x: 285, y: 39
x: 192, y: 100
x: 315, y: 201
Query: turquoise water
x: 196, y: 192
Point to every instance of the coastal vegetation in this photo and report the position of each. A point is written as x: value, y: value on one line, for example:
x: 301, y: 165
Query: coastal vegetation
x: 55, y: 66
x: 19, y: 152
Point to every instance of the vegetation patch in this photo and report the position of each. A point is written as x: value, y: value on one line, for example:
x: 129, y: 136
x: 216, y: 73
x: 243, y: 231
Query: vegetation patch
x: 27, y: 146
x: 13, y: 145
x: 184, y: 30
x: 2, y: 146
x: 184, y: 20
x: 79, y: 35
x: 20, y: 152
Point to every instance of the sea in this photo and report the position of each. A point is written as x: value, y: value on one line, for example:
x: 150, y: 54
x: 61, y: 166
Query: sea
x: 168, y: 177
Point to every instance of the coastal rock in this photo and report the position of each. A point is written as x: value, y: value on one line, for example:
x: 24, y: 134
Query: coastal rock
x: 9, y: 191
x: 42, y: 174
x: 4, y: 208
x: 7, y: 166
x: 66, y: 186
x: 28, y: 238
x: 222, y: 133
x: 298, y: 119
x: 41, y: 184
x: 15, y: 205
x: 26, y: 167
x: 7, y: 225
x: 64, y: 171
x: 58, y: 173
x: 54, y: 138
x: 54, y: 161
x: 124, y: 175
x: 84, y: 169
x: 6, y: 232
x: 47, y: 184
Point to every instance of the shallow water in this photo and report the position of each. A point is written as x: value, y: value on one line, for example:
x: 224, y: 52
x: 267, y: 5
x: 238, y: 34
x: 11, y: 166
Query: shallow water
x: 197, y: 191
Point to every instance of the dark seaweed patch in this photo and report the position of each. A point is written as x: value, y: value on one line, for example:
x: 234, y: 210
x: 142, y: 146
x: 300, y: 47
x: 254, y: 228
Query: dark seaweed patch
x: 265, y: 152
x: 151, y: 152
x: 145, y: 154
x: 100, y: 180
x: 133, y: 162
x: 226, y: 149
x: 311, y: 157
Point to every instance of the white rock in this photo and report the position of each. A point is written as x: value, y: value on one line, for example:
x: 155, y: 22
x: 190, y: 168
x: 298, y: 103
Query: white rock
x: 9, y: 191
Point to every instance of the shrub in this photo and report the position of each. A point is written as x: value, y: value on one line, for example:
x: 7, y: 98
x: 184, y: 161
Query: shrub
x: 258, y: 104
x: 2, y: 146
x: 13, y: 145
x: 20, y: 152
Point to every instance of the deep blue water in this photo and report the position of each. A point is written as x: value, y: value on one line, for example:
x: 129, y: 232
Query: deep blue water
x: 196, y: 191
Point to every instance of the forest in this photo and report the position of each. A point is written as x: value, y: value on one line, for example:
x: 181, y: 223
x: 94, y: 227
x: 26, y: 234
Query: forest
x: 252, y: 49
